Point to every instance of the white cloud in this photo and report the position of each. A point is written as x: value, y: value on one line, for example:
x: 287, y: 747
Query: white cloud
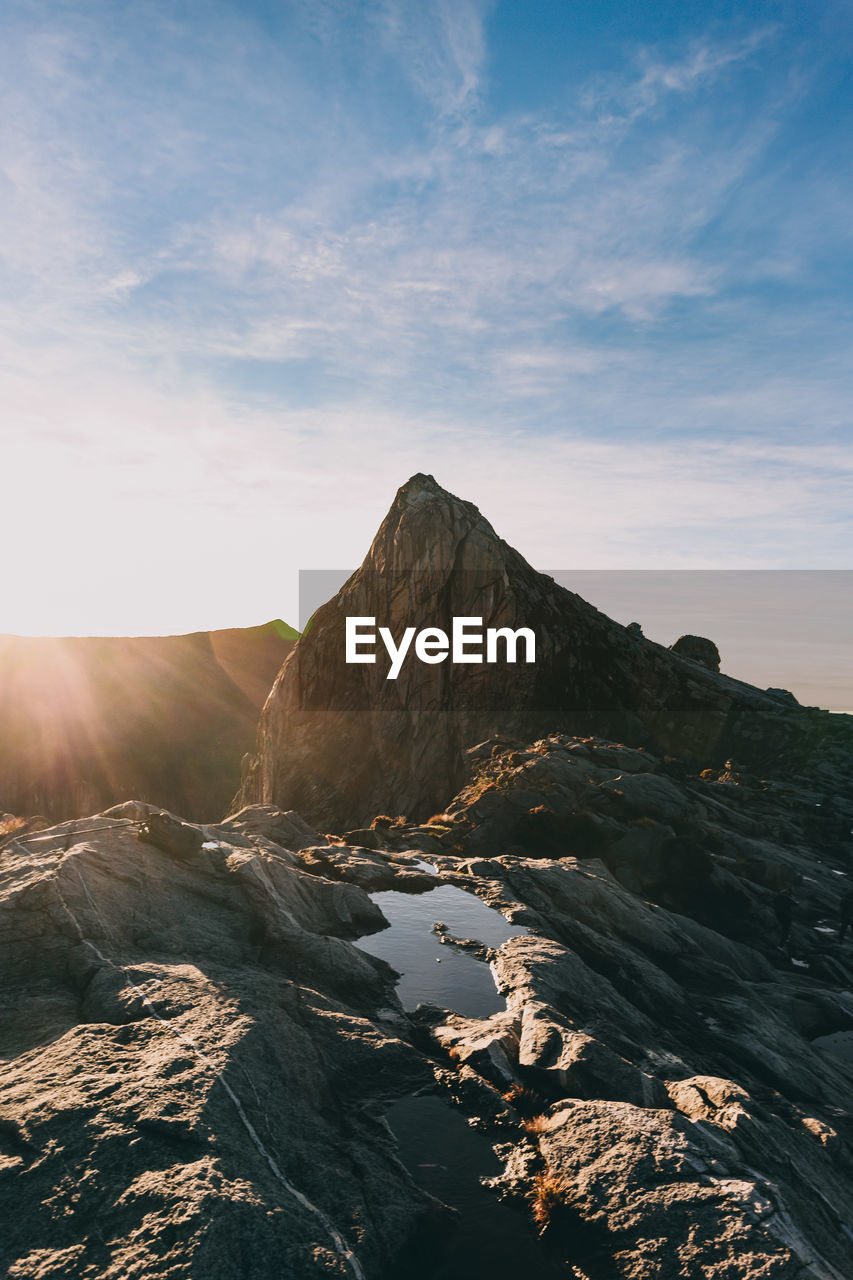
x: 486, y: 297
x: 503, y: 226
x: 640, y: 288
x: 122, y: 283
x: 135, y: 515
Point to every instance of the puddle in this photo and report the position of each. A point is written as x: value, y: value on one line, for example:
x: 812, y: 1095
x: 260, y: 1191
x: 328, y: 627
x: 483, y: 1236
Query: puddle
x: 839, y: 1042
x: 447, y: 1157
x: 444, y: 1155
x: 431, y: 972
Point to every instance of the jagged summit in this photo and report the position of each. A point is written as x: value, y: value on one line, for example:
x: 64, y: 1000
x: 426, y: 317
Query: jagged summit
x: 341, y: 742
x: 428, y: 528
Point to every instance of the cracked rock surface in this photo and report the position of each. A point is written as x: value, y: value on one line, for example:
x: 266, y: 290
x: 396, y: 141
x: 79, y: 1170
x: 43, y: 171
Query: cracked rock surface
x: 195, y: 1063
x: 197, y: 1057
x: 686, y: 1109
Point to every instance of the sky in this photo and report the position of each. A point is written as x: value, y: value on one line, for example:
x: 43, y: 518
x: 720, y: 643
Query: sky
x: 588, y: 263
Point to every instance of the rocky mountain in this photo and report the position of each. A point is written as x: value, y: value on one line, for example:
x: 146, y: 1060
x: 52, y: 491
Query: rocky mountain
x: 592, y: 1019
x: 339, y: 742
x: 86, y: 722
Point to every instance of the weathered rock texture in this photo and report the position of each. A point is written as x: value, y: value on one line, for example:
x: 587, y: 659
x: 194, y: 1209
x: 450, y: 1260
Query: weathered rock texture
x: 341, y: 742
x: 193, y: 1058
x: 88, y: 722
x: 687, y: 1082
x: 197, y: 1058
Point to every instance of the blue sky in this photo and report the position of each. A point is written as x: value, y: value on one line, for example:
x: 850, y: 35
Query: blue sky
x: 587, y: 263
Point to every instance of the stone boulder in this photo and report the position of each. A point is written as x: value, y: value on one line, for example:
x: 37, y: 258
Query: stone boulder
x: 698, y: 649
x: 673, y: 1198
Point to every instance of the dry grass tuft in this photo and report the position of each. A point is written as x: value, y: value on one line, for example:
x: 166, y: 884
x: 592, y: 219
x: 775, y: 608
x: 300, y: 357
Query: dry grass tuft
x: 545, y: 1196
x: 524, y: 1099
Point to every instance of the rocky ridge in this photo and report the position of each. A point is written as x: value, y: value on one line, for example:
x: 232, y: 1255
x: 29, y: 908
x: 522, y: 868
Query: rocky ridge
x: 86, y: 722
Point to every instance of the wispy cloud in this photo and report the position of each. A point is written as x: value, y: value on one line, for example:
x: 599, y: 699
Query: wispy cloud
x: 621, y: 100
x: 479, y: 229
x: 441, y: 47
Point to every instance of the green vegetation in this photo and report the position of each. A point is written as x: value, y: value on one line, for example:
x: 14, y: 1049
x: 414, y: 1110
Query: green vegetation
x: 282, y: 630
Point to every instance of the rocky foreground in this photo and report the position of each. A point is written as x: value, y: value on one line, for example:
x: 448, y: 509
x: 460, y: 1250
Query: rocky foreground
x: 198, y: 1057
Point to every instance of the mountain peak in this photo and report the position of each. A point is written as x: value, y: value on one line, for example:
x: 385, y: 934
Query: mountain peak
x: 419, y: 485
x: 422, y: 489
x: 432, y: 532
x: 341, y: 741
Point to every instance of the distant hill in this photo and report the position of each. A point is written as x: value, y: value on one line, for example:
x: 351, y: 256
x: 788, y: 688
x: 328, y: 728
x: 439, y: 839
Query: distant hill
x: 86, y: 722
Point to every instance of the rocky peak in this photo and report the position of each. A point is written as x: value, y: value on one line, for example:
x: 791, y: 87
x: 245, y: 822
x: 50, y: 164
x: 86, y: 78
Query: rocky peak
x: 341, y: 742
x: 425, y: 527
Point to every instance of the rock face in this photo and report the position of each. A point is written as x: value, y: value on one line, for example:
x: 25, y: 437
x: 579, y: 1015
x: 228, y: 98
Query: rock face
x: 698, y: 649
x: 342, y: 742
x: 197, y: 1058
x: 193, y: 1053
x: 688, y: 1112
x: 88, y: 722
